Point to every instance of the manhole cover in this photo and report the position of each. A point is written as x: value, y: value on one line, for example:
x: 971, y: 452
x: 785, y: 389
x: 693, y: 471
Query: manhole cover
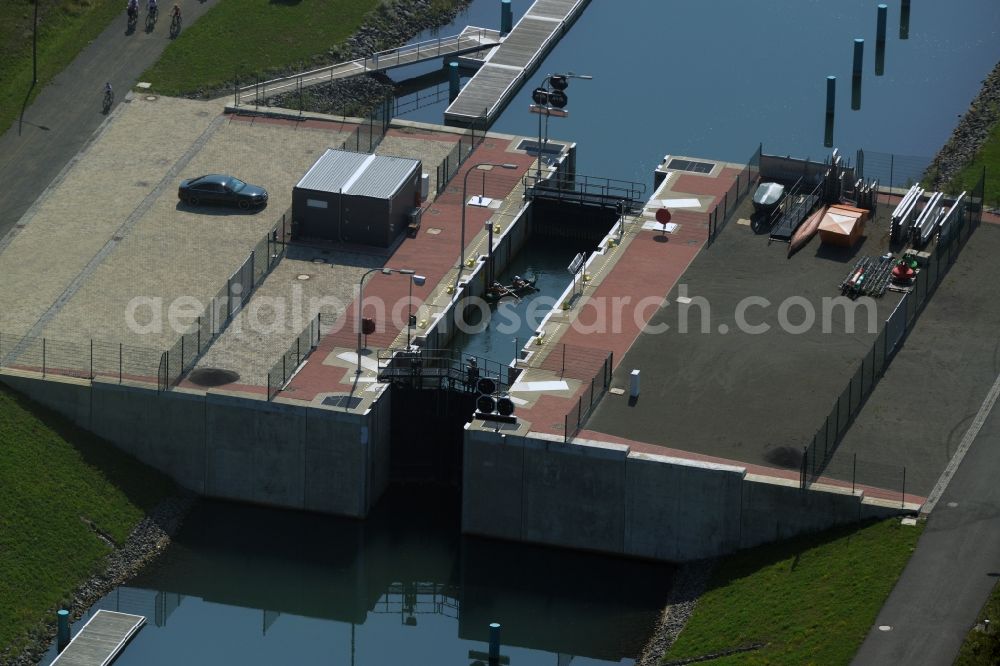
x: 784, y: 456
x: 952, y: 505
x: 141, y: 183
x: 302, y: 276
x: 150, y: 98
x: 433, y: 231
x: 317, y: 260
x: 884, y: 627
x: 212, y: 377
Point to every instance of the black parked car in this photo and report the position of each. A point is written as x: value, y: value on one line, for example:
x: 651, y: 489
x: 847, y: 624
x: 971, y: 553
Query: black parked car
x: 219, y: 188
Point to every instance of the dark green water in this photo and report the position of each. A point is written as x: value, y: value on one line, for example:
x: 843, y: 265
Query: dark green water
x: 249, y: 585
x: 495, y: 335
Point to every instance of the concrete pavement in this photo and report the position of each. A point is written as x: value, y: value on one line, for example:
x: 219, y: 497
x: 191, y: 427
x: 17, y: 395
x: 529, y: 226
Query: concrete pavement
x: 957, y: 559
x: 66, y: 113
x: 952, y: 571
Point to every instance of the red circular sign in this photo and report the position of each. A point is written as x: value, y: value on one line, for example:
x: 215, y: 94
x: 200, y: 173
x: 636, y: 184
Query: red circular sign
x: 663, y: 216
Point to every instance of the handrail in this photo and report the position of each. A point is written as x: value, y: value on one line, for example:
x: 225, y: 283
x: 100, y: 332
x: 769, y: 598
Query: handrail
x: 362, y: 64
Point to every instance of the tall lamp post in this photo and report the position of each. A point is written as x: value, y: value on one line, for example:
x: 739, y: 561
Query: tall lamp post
x: 418, y: 280
x: 549, y: 100
x: 361, y: 299
x: 465, y: 182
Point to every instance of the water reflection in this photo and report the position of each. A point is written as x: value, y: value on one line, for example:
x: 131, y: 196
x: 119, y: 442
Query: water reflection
x: 251, y: 585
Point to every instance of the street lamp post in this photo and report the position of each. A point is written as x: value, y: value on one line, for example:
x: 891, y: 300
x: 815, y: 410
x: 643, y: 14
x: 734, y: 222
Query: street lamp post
x: 418, y: 280
x: 361, y: 300
x: 465, y: 182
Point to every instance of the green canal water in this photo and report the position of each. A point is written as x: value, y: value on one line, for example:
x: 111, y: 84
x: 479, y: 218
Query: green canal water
x: 249, y: 585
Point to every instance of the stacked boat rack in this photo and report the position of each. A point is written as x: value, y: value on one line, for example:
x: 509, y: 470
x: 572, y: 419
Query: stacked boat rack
x: 915, y: 225
x: 870, y: 276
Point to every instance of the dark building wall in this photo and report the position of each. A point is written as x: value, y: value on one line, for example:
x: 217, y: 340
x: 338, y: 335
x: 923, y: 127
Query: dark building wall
x: 354, y: 219
x: 315, y: 222
x: 366, y: 221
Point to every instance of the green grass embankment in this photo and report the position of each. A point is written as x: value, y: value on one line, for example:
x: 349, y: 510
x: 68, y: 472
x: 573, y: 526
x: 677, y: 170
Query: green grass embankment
x: 57, y: 480
x: 809, y: 600
x: 982, y: 648
x: 987, y: 156
x: 64, y: 28
x: 253, y: 36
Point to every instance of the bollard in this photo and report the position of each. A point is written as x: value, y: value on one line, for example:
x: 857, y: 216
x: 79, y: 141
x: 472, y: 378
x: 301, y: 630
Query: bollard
x: 454, y: 81
x: 62, y: 629
x: 880, y: 40
x: 831, y: 96
x: 633, y: 384
x: 494, y: 643
x: 904, y: 20
x: 506, y: 17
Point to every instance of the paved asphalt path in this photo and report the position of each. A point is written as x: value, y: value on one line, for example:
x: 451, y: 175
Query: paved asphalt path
x: 68, y: 110
x: 952, y: 571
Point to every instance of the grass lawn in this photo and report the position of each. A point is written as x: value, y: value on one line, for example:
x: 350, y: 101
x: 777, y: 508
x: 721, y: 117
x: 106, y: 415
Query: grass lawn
x: 989, y: 157
x: 64, y: 28
x: 980, y: 649
x: 53, y: 477
x: 811, y: 599
x: 251, y: 36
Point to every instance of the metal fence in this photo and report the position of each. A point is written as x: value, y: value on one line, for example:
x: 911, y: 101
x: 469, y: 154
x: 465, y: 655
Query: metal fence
x: 890, y: 169
x: 745, y: 180
x: 592, y: 393
x: 285, y: 367
x: 368, y: 135
x: 440, y: 368
x: 457, y: 156
x: 87, y: 359
x: 439, y: 47
x: 225, y: 305
x: 817, y: 456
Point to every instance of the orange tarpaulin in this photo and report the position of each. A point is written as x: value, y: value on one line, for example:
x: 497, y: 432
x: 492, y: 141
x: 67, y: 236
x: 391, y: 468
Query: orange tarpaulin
x: 842, y: 225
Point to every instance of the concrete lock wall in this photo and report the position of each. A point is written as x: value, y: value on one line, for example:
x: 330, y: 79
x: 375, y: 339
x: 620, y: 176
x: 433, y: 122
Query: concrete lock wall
x: 506, y: 246
x: 232, y: 447
x: 607, y: 498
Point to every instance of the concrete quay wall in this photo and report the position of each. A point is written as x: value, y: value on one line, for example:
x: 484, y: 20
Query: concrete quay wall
x: 232, y: 447
x: 607, y: 498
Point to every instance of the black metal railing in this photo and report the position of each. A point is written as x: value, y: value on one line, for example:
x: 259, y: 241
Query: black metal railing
x: 460, y: 152
x: 592, y: 393
x: 441, y: 368
x: 221, y: 309
x: 744, y: 183
x: 818, y: 454
x: 303, y: 345
x: 581, y: 189
x: 86, y: 359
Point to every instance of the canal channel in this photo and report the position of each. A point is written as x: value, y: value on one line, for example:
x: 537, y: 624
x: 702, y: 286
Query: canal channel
x: 251, y: 585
